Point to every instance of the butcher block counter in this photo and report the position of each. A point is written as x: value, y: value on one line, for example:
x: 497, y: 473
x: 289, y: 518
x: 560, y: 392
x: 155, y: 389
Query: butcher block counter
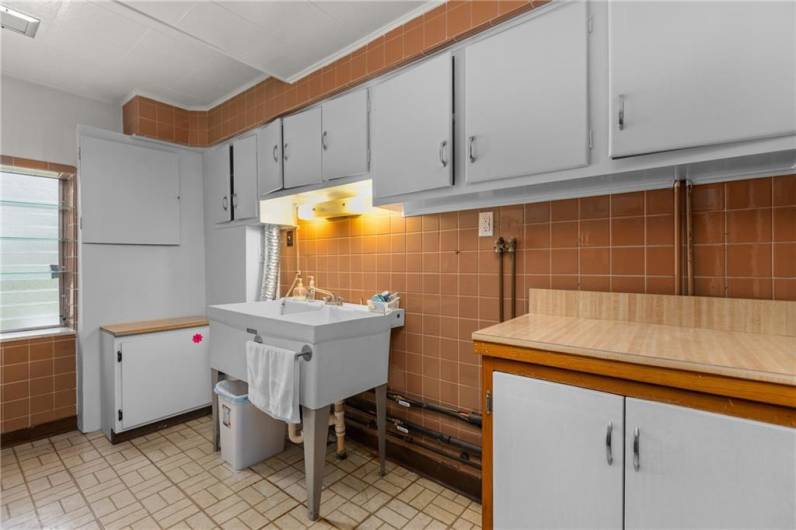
x: 732, y: 359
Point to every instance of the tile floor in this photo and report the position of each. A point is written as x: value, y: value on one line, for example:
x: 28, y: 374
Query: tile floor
x: 173, y: 479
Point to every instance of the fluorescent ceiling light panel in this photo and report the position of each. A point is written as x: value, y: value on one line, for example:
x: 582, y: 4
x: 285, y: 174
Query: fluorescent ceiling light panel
x: 13, y: 20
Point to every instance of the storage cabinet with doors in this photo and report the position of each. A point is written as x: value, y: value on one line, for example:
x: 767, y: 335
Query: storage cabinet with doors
x: 526, y: 110
x: 301, y: 148
x: 688, y: 74
x: 269, y: 157
x: 344, y: 139
x: 152, y: 371
x: 411, y: 134
x: 231, y: 180
x: 558, y: 462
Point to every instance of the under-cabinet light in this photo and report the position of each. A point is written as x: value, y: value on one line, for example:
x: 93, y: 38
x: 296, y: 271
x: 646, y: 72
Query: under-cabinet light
x: 13, y: 20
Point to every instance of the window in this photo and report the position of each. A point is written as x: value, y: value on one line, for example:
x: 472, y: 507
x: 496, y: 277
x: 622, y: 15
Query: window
x: 31, y: 249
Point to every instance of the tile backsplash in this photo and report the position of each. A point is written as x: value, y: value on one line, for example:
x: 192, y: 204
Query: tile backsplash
x: 744, y: 246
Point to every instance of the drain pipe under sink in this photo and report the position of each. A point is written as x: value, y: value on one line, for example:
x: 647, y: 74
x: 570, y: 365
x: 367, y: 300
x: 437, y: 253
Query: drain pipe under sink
x: 269, y: 290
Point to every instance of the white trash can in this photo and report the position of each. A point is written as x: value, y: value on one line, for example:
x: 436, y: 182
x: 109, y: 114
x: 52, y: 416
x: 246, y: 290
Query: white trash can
x: 248, y: 435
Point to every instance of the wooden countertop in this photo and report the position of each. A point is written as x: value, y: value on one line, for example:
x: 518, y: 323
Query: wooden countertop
x: 753, y: 340
x: 153, y: 326
x: 768, y: 358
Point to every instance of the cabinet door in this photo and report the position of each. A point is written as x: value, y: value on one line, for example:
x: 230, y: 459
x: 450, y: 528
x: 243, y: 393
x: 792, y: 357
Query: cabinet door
x: 687, y: 74
x: 550, y: 450
x: 301, y: 150
x: 217, y: 183
x: 345, y: 136
x: 244, y: 170
x: 702, y: 470
x: 526, y: 111
x: 269, y: 157
x: 163, y: 374
x: 411, y: 135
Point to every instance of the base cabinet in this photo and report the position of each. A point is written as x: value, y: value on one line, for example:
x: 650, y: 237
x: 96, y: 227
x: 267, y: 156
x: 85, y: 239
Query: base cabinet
x: 153, y: 376
x: 560, y: 454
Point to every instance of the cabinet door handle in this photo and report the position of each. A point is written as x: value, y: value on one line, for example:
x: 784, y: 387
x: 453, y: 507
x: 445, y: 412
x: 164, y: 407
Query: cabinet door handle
x: 609, y: 454
x: 442, y: 150
x: 323, y: 141
x: 620, y: 122
x: 284, y: 151
x: 636, y: 450
x: 470, y: 150
x: 234, y: 201
x: 276, y: 153
x: 225, y: 203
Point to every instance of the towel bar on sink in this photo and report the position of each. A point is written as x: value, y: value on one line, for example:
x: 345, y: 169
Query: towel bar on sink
x: 305, y: 353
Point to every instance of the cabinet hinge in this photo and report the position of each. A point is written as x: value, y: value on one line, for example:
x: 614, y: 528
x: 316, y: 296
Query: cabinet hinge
x: 80, y: 223
x: 119, y: 356
x: 590, y: 24
x: 488, y: 402
x: 119, y: 415
x: 591, y: 138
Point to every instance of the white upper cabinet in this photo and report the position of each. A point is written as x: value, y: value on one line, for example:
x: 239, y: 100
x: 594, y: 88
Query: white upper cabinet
x: 217, y: 179
x: 687, y: 468
x: 345, y: 135
x: 244, y: 181
x: 687, y: 74
x: 557, y: 454
x: 526, y: 97
x: 301, y: 148
x: 412, y: 129
x: 130, y: 192
x: 269, y: 157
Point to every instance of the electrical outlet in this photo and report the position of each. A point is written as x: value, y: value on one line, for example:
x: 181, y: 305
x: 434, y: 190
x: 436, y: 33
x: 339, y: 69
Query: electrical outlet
x: 485, y: 224
x: 289, y: 238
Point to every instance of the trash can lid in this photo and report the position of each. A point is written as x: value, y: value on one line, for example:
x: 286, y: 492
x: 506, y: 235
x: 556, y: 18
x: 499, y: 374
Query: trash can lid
x: 233, y: 390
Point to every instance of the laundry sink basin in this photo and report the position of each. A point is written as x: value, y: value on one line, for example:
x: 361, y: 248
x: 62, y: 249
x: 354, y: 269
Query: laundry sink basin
x: 349, y: 344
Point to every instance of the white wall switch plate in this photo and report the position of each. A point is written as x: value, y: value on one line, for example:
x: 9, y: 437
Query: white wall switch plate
x: 485, y: 224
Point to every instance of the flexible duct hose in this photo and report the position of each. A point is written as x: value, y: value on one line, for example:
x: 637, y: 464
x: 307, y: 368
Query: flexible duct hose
x: 269, y: 289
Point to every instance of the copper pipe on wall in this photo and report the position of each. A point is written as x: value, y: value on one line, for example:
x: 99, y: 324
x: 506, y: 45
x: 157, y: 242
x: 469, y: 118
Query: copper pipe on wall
x: 689, y: 242
x: 500, y: 248
x: 677, y: 230
x: 512, y: 250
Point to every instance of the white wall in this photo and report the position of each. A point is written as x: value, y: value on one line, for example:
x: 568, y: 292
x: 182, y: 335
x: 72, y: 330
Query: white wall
x: 40, y: 123
x: 122, y: 283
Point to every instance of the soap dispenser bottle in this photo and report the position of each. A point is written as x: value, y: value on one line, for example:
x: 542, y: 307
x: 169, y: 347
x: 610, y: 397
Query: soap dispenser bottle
x: 311, y: 293
x: 300, y: 291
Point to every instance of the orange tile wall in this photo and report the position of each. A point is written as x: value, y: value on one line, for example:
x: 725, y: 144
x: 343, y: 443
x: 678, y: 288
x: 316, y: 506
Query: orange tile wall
x: 271, y: 98
x: 744, y: 241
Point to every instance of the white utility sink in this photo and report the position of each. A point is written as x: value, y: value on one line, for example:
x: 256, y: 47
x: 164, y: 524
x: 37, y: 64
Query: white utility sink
x: 350, y: 345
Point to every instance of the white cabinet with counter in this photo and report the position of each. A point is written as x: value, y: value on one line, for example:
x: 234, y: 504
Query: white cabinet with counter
x: 526, y: 111
x: 689, y: 74
x: 153, y: 370
x: 412, y: 116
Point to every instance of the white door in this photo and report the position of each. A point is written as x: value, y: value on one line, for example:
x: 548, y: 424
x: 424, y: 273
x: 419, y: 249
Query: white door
x: 557, y: 455
x: 345, y: 135
x: 244, y: 170
x: 130, y: 193
x: 269, y: 157
x: 163, y: 374
x: 687, y: 468
x: 411, y: 138
x: 526, y: 97
x: 301, y: 149
x: 217, y: 183
x: 686, y: 74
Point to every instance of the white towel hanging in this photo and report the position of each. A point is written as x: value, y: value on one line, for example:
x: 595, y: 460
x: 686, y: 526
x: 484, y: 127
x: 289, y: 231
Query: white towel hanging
x: 273, y: 375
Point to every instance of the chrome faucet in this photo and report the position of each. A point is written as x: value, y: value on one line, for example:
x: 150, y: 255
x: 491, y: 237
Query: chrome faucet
x: 329, y: 299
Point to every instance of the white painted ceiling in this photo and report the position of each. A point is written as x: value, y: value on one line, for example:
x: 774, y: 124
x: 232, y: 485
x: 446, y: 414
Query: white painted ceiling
x: 188, y: 53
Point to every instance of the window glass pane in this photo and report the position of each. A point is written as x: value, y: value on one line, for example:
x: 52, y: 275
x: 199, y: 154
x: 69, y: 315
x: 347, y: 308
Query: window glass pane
x: 29, y: 251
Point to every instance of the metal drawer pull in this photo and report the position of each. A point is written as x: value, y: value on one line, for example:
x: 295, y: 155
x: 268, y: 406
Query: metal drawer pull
x: 225, y: 203
x: 284, y: 151
x: 323, y: 141
x: 276, y: 153
x: 470, y: 142
x: 621, y: 117
x: 609, y: 454
x: 442, y: 149
x: 636, y: 450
